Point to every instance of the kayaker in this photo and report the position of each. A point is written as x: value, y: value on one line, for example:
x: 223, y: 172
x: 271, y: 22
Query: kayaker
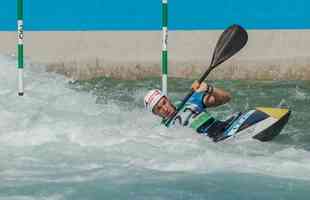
x: 194, y: 113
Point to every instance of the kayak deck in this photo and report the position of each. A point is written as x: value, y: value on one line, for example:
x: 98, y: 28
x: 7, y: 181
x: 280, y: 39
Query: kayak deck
x: 263, y: 124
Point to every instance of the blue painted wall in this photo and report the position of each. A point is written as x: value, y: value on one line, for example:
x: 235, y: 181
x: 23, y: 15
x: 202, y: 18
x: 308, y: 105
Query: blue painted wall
x: 146, y: 14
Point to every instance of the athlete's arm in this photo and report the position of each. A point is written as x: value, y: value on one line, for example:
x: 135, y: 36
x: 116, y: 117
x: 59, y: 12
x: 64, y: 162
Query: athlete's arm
x: 214, y: 96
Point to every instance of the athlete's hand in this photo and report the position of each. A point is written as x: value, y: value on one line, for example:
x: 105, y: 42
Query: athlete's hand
x: 199, y: 87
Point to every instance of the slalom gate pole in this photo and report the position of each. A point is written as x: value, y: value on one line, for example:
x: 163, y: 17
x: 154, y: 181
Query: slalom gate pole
x: 20, y: 46
x: 164, y: 46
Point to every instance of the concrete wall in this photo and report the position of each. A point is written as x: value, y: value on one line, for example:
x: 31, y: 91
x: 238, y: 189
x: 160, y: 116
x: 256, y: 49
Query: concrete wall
x: 272, y: 54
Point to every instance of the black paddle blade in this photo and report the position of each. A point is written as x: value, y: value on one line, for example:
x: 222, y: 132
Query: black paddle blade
x: 230, y: 42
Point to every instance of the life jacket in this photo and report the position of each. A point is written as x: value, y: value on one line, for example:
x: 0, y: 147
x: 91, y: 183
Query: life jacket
x: 193, y: 114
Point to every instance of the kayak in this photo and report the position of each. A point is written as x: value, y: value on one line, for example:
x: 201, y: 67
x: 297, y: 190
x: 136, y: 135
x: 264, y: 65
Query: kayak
x: 262, y: 123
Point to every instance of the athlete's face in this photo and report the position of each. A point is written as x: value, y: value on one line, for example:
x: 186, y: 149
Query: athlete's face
x: 164, y: 108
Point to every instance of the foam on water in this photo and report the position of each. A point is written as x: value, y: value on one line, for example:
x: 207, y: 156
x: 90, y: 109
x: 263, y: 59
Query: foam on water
x: 56, y: 134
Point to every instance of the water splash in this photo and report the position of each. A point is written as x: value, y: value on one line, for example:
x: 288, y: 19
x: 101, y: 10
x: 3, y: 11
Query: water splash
x: 71, y: 132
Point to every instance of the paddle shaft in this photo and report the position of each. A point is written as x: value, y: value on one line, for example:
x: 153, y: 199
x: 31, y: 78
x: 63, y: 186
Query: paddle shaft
x: 202, y: 78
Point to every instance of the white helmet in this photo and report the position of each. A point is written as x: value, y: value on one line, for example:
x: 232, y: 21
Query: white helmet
x: 152, y: 98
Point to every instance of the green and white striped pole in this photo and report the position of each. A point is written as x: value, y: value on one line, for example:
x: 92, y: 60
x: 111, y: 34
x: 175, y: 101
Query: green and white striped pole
x: 165, y: 46
x: 20, y: 46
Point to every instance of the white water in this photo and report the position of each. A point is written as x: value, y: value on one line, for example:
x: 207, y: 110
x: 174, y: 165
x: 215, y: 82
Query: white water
x: 55, y: 134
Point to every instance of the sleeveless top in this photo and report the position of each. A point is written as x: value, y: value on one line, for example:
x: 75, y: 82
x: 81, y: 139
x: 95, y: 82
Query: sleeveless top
x: 193, y: 114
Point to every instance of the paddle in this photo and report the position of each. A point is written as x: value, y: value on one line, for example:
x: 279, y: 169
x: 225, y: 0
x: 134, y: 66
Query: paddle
x: 229, y: 43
